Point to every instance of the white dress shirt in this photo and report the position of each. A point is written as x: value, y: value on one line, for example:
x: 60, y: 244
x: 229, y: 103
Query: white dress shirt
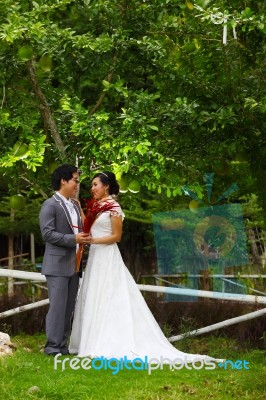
x: 72, y: 212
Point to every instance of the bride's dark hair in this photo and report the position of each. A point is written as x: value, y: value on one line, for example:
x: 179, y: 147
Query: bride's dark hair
x: 108, y: 178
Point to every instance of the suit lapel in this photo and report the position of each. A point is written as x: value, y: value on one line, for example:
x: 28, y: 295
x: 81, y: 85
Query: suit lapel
x: 62, y: 204
x: 80, y: 225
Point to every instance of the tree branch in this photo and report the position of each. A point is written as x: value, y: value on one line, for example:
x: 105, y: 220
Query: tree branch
x: 35, y: 186
x: 4, y: 96
x: 102, y: 96
x: 46, y: 112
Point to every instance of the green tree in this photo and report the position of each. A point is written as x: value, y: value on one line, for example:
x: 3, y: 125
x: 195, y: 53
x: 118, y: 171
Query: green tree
x: 159, y: 91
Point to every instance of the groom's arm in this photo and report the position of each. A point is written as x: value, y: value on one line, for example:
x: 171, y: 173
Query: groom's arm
x: 48, y: 228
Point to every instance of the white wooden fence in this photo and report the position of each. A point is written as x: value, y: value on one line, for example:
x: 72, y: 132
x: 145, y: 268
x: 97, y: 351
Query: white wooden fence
x: 38, y: 277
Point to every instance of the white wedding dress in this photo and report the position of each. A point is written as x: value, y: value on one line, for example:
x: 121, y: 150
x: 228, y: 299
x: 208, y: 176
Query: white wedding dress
x: 111, y: 318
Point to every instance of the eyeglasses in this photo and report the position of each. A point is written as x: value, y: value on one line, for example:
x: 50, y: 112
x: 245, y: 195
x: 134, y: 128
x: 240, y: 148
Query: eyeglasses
x: 76, y: 180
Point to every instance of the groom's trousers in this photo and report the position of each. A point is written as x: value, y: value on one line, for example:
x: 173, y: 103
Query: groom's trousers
x: 62, y: 292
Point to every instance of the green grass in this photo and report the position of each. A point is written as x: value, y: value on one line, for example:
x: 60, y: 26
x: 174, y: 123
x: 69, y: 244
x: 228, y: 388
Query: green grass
x: 29, y: 367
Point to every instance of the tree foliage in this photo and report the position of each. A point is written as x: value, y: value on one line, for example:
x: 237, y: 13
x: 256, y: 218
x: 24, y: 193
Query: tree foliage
x: 160, y: 91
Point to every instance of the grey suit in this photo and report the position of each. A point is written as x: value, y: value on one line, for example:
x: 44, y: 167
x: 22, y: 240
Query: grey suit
x: 59, y: 269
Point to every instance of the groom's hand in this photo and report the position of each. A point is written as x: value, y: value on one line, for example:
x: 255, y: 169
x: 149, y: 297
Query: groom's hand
x: 82, y: 238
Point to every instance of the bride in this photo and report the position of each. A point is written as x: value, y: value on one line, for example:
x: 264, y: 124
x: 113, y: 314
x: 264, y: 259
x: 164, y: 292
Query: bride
x: 111, y: 318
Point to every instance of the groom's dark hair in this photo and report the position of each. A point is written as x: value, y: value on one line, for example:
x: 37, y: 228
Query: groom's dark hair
x: 65, y: 172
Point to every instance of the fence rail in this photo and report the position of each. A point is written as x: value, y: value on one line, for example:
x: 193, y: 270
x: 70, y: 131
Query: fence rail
x: 38, y: 277
x: 214, y: 276
x: 14, y: 273
x: 204, y: 293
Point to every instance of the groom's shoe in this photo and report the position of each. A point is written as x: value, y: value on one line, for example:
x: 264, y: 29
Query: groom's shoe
x: 50, y: 351
x: 64, y: 351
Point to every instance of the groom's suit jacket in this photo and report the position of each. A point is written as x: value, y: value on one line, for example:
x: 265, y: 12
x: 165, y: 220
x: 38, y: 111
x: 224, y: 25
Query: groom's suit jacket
x: 59, y: 236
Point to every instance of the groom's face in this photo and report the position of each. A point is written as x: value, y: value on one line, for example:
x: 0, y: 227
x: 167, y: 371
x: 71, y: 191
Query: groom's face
x: 69, y: 189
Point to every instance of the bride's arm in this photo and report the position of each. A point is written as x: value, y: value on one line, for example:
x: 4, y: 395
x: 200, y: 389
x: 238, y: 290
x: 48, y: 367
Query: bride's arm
x: 116, y: 222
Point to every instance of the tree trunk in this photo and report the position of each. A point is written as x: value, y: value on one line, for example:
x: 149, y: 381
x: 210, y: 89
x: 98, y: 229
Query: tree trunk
x: 10, y: 285
x: 48, y: 119
x: 253, y: 247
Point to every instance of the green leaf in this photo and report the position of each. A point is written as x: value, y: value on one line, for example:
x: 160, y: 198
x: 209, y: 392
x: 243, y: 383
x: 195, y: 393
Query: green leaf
x: 153, y: 127
x: 106, y: 84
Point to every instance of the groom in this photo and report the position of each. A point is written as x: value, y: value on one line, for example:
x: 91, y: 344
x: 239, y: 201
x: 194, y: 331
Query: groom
x: 61, y: 225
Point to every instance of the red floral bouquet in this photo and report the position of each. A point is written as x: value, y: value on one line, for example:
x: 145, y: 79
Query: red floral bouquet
x: 93, y: 209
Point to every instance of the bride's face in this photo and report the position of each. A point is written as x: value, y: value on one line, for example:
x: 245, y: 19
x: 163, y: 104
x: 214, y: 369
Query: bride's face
x: 98, y: 189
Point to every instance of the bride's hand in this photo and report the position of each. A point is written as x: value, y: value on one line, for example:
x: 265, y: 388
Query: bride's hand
x: 90, y: 240
x: 82, y: 238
